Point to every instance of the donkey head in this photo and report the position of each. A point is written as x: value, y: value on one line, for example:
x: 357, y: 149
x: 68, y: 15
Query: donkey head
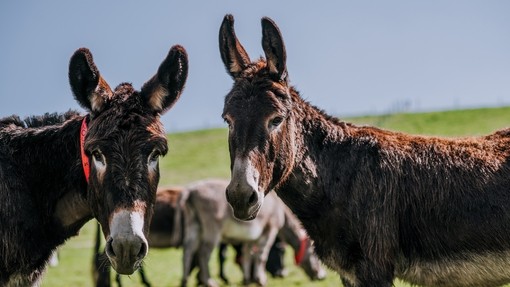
x: 311, y: 264
x: 123, y: 143
x: 258, y: 111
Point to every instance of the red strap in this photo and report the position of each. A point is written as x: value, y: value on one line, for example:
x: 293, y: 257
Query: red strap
x: 298, y: 257
x: 84, y: 158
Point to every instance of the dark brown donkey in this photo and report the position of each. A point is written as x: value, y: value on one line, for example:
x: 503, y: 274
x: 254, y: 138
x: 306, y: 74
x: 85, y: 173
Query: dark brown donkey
x: 378, y: 204
x: 58, y: 172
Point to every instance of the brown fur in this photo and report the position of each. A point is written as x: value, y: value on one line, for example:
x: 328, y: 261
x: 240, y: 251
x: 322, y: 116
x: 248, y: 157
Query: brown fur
x: 378, y: 204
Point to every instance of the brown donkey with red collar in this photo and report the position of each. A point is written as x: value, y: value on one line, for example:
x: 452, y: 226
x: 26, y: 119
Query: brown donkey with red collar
x: 59, y: 171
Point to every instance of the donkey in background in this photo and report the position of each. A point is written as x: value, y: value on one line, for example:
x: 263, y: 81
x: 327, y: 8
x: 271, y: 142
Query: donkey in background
x: 378, y: 204
x: 58, y: 172
x: 209, y: 221
x: 292, y: 234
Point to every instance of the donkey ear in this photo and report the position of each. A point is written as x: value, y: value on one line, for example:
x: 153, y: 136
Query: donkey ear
x: 164, y: 89
x: 272, y: 43
x: 89, y: 88
x: 232, y: 52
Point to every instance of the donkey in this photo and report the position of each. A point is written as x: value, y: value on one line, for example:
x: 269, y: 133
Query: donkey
x: 57, y: 174
x: 293, y: 234
x: 378, y: 204
x: 209, y: 221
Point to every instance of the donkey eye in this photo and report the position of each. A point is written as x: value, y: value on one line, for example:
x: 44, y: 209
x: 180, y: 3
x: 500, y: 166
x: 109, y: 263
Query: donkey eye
x: 98, y: 157
x: 99, y: 160
x: 154, y: 157
x: 276, y: 121
x: 229, y: 123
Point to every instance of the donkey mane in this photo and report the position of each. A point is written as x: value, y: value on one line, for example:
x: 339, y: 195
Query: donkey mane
x: 297, y: 98
x: 47, y: 119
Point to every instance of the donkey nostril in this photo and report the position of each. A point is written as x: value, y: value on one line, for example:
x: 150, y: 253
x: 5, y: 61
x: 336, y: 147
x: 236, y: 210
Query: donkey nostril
x: 143, y: 250
x: 227, y: 195
x: 109, y: 247
x: 253, y: 199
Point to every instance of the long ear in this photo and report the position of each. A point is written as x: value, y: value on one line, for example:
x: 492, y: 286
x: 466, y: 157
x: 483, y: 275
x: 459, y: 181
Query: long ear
x: 232, y: 52
x: 89, y: 88
x: 272, y: 43
x: 164, y: 89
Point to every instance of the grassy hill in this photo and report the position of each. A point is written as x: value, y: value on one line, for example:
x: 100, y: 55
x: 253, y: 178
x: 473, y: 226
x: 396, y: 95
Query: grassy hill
x: 448, y: 123
x: 195, y: 155
x: 202, y: 154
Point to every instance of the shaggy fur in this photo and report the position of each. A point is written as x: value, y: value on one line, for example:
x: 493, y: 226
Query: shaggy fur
x: 378, y: 204
x: 44, y: 196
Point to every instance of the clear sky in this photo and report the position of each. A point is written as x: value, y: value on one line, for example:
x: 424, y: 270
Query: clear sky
x: 346, y: 57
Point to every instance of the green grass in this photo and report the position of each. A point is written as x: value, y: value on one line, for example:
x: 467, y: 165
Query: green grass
x: 448, y: 123
x: 195, y: 155
x: 203, y: 154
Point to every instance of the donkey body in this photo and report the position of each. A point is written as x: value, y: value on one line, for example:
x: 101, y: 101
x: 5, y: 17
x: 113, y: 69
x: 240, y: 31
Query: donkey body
x: 378, y: 204
x: 210, y: 221
x: 291, y: 233
x: 168, y: 222
x: 59, y: 171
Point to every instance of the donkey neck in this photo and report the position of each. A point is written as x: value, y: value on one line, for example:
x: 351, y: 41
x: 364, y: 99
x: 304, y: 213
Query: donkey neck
x: 48, y: 157
x: 315, y: 133
x: 318, y: 138
x: 313, y: 126
x: 47, y: 152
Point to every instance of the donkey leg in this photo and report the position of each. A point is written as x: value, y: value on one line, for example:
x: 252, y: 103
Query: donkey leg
x: 222, y: 255
x: 190, y: 248
x: 275, y: 264
x: 263, y: 245
x: 117, y: 279
x: 143, y: 277
x: 205, y: 251
x: 246, y: 263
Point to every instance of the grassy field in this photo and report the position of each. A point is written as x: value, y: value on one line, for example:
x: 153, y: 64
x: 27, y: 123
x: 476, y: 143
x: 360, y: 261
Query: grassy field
x: 203, y: 154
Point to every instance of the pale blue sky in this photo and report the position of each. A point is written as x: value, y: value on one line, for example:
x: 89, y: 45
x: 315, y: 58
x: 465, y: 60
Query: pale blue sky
x: 347, y: 57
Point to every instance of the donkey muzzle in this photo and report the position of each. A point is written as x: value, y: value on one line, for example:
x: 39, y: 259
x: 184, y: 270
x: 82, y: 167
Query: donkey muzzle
x: 126, y: 246
x: 242, y: 192
x: 245, y: 200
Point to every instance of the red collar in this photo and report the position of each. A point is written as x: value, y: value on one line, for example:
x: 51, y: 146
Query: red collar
x: 298, y: 257
x: 84, y: 158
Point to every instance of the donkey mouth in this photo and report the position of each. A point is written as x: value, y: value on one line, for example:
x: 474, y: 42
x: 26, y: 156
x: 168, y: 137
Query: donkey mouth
x: 125, y: 270
x: 247, y: 213
x: 249, y: 210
